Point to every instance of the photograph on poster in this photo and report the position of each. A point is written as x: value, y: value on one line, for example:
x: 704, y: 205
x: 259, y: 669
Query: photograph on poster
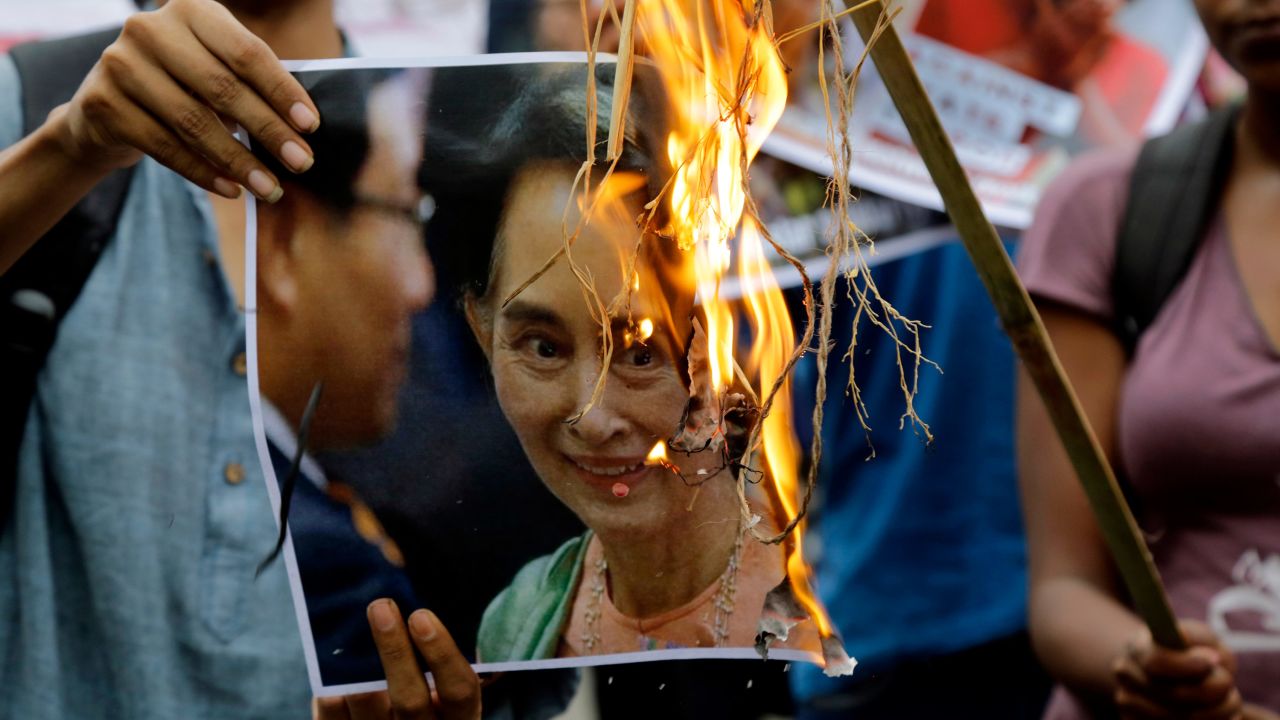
x: 1021, y: 88
x: 590, y: 523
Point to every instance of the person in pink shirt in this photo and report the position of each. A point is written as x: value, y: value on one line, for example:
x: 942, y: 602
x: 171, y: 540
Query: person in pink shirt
x: 1189, y: 418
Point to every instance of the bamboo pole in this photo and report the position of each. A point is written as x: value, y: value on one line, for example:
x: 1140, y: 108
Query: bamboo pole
x: 622, y: 81
x: 1022, y: 323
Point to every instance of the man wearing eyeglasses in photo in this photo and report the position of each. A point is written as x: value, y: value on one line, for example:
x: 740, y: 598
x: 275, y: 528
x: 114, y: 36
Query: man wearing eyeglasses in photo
x: 127, y: 584
x: 342, y: 269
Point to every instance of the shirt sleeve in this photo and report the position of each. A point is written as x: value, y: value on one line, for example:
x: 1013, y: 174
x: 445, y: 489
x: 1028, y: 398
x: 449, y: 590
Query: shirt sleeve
x: 1067, y: 256
x: 10, y: 103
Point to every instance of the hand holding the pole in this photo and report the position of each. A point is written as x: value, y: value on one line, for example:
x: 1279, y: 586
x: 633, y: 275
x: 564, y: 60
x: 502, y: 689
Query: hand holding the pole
x: 1199, y: 682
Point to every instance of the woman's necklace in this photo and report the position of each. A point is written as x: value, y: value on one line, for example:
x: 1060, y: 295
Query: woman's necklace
x: 722, y: 603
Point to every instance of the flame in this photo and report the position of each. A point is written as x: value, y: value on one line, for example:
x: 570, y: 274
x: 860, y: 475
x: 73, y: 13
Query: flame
x: 727, y: 89
x: 658, y: 455
x: 773, y: 334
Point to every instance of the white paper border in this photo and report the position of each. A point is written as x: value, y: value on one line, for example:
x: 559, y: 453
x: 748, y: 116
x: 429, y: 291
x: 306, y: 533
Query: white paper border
x: 318, y: 688
x: 384, y: 63
x: 260, y: 435
x: 738, y: 653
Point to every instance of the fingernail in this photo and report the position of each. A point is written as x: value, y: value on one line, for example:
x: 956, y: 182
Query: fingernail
x: 303, y: 118
x: 295, y: 157
x: 382, y: 616
x: 264, y: 187
x: 1208, y: 655
x: 421, y: 626
x: 226, y: 188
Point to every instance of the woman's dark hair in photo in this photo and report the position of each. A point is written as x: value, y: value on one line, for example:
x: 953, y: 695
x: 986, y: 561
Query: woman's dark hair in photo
x: 474, y: 147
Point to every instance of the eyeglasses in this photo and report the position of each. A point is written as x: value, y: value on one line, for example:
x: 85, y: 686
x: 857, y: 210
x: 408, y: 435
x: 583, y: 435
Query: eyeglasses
x: 417, y: 214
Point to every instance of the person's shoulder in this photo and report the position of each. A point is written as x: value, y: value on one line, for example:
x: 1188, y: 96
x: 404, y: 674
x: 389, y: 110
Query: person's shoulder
x: 10, y: 102
x: 525, y: 618
x: 1103, y: 163
x: 1100, y: 176
x: 1068, y: 253
x: 1093, y: 190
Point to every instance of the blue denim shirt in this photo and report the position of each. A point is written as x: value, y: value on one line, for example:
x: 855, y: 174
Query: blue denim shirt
x: 127, y: 584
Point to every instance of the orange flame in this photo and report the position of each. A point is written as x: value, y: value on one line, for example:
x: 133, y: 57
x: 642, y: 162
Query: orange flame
x: 727, y: 88
x: 774, y: 335
x: 658, y: 455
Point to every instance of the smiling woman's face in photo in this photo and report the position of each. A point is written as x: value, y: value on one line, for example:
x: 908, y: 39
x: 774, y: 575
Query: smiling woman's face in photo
x: 544, y: 350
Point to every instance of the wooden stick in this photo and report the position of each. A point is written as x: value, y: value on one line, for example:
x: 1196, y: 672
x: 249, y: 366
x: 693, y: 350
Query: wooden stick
x: 1022, y: 323
x: 622, y: 81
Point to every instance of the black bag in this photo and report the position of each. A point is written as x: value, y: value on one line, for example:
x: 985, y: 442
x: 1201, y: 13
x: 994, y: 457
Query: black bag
x: 1174, y: 194
x: 37, y: 292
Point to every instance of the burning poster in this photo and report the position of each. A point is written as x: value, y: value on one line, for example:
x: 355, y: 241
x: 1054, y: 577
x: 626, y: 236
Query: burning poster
x: 546, y: 422
x: 1022, y: 86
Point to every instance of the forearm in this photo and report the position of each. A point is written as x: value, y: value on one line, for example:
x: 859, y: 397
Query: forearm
x: 1078, y: 622
x: 40, y: 181
x: 166, y: 88
x: 1079, y: 630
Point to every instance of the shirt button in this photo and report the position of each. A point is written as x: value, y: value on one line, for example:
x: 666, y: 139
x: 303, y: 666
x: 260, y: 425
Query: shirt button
x: 240, y: 364
x: 209, y: 257
x: 233, y: 473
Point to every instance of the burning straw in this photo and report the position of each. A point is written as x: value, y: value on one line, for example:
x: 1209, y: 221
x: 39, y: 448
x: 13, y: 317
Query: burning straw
x: 1022, y: 323
x: 726, y: 86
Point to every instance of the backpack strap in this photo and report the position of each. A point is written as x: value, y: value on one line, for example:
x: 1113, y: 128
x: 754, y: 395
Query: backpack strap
x: 1174, y: 194
x: 37, y: 292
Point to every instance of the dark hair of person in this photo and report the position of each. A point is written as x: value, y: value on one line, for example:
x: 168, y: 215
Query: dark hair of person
x: 341, y: 143
x: 474, y: 147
